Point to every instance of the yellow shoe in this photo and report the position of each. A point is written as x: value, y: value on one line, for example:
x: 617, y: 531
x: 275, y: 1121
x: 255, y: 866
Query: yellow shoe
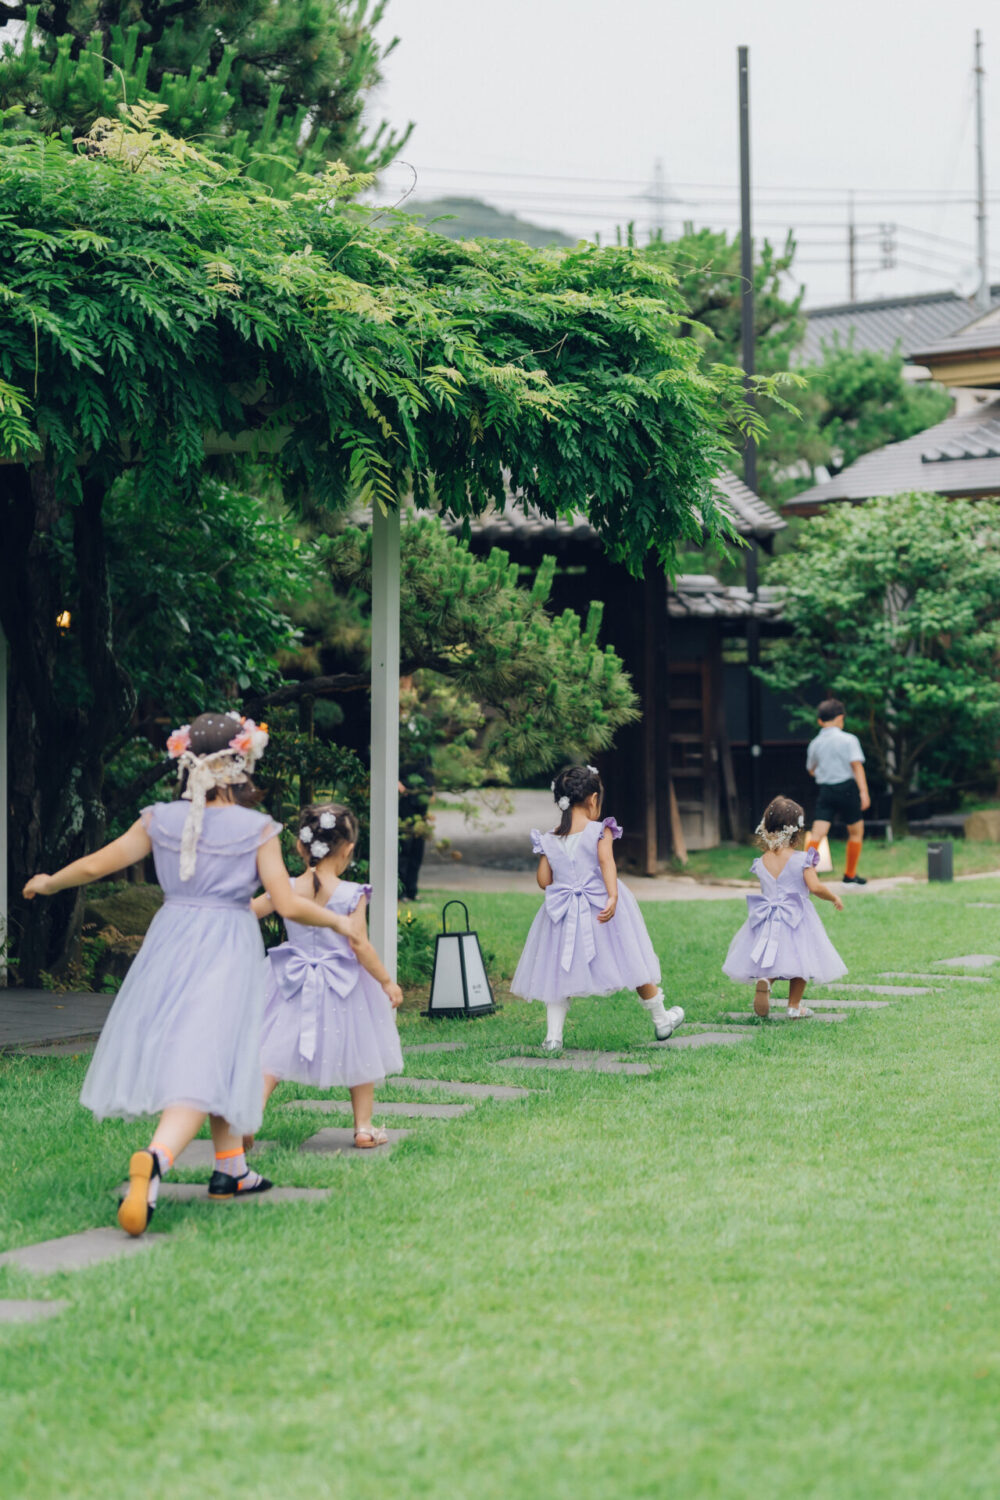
x: 134, y: 1211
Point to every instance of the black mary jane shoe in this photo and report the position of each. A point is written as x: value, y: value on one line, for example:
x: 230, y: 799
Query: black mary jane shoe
x: 855, y: 880
x: 222, y: 1185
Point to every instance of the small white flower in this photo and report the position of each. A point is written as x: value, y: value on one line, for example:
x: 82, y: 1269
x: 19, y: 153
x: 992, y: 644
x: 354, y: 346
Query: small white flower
x: 328, y: 820
x: 552, y: 787
x: 563, y: 803
x: 306, y: 835
x: 593, y: 771
x: 319, y: 850
x: 802, y: 821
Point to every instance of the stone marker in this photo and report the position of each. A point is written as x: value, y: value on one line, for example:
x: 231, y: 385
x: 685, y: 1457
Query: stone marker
x: 937, y: 978
x: 197, y: 1192
x: 969, y: 961
x: 463, y: 1090
x: 202, y: 1153
x: 779, y: 1014
x: 75, y: 1252
x: 882, y: 989
x: 706, y: 1038
x: 436, y: 1047
x: 415, y: 1111
x: 28, y: 1310
x: 983, y: 827
x: 600, y: 1062
x: 337, y: 1139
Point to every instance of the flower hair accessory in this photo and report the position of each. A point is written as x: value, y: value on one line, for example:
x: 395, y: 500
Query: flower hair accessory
x: 227, y: 767
x: 563, y: 804
x: 305, y: 835
x: 327, y: 820
x: 319, y: 850
x: 779, y: 838
x: 593, y: 771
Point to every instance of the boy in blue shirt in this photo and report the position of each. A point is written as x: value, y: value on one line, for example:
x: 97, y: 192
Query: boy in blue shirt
x: 837, y: 761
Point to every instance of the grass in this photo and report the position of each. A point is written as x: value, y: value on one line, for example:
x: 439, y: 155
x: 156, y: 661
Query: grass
x: 766, y: 1270
x: 902, y: 857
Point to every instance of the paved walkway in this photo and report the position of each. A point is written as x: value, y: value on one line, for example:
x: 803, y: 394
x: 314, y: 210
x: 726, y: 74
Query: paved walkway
x: 38, y: 1018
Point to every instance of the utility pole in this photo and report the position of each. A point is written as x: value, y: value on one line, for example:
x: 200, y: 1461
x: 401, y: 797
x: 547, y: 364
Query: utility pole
x: 983, y: 289
x: 852, y: 252
x: 750, y: 448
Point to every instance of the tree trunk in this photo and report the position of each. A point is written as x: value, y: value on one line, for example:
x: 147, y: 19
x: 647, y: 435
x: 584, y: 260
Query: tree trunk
x: 898, y: 815
x: 67, y: 698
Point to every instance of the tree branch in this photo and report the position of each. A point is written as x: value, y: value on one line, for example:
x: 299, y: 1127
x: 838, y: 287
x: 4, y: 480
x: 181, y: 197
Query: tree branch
x: 318, y: 687
x: 135, y: 788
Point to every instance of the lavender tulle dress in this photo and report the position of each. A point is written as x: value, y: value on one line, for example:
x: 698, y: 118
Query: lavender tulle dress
x: 568, y: 952
x: 783, y: 937
x: 326, y: 1020
x: 185, y: 1026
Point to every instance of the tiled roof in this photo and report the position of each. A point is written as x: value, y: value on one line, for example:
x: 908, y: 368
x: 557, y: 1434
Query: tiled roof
x: 700, y: 596
x: 980, y: 336
x: 912, y: 323
x: 750, y: 515
x: 957, y: 457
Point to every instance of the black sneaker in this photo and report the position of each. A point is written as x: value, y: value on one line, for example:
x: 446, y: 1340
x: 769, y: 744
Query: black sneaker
x: 223, y: 1185
x: 854, y: 880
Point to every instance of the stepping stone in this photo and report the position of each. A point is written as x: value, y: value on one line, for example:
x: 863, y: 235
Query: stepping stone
x: 882, y: 989
x: 464, y: 1090
x: 202, y: 1153
x: 336, y: 1140
x: 196, y: 1192
x: 817, y: 1000
x: 600, y: 1062
x: 75, y: 1252
x: 970, y: 961
x: 415, y: 1111
x: 706, y: 1038
x: 60, y: 1049
x: 436, y: 1047
x: 951, y: 978
x: 27, y: 1310
x: 779, y: 1015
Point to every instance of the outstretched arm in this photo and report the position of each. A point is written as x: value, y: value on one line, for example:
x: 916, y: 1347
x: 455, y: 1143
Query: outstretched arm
x: 609, y: 874
x: 369, y: 959
x: 118, y: 855
x: 858, y: 769
x: 816, y: 886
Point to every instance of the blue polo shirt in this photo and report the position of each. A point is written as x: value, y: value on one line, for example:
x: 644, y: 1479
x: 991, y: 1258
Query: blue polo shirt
x: 830, y: 755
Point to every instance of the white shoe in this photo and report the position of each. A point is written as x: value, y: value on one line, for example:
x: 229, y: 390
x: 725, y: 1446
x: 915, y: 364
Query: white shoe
x: 800, y: 1013
x: 550, y: 1046
x: 672, y: 1019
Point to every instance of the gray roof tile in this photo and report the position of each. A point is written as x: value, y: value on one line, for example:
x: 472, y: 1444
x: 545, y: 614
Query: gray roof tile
x: 910, y: 323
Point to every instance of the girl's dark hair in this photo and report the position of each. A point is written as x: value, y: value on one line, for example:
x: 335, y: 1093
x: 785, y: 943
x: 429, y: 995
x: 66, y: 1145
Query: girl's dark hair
x: 577, y: 783
x: 783, y: 813
x: 210, y: 732
x: 343, y: 830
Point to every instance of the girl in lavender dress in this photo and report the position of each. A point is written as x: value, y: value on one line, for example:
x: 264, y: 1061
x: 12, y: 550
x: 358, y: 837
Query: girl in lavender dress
x: 589, y: 937
x: 183, y: 1036
x: 783, y: 937
x: 328, y: 1016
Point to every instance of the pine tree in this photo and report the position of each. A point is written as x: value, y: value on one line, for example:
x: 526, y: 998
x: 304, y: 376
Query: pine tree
x: 284, y: 80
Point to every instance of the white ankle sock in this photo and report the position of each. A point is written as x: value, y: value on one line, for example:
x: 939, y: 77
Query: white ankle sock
x: 164, y: 1161
x: 556, y: 1012
x: 656, y: 1008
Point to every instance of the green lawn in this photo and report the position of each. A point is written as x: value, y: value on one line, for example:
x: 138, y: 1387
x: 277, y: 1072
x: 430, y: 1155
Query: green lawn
x: 903, y: 857
x: 770, y: 1270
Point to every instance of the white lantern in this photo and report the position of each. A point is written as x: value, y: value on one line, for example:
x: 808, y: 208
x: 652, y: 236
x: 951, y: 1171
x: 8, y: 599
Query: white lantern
x: 459, y: 986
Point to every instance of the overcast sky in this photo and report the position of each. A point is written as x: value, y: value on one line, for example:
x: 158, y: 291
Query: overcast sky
x: 560, y: 109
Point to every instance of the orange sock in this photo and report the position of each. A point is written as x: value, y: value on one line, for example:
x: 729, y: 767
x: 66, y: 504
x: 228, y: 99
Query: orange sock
x: 853, y: 855
x: 812, y: 844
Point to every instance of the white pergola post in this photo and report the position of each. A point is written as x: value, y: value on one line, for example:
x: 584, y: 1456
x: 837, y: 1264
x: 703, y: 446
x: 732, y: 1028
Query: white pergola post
x: 385, y: 734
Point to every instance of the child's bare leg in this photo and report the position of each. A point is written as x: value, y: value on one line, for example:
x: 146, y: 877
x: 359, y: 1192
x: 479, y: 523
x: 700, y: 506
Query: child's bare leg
x: 231, y: 1175
x: 796, y: 991
x: 362, y: 1103
x: 647, y: 991
x: 270, y: 1084
x: 178, y: 1125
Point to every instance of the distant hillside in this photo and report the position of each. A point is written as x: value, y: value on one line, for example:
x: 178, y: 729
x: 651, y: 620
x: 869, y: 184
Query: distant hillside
x: 470, y: 218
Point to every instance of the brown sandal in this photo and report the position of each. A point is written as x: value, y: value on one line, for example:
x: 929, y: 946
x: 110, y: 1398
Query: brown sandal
x: 762, y: 998
x: 371, y: 1136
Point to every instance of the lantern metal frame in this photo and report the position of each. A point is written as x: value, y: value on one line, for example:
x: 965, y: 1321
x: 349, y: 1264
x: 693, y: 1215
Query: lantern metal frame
x: 463, y: 1012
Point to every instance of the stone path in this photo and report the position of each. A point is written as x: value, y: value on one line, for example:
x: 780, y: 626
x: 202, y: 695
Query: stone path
x: 706, y: 1038
x: 778, y: 1014
x: 581, y: 1062
x: 969, y: 961
x: 29, y: 1310
x: 338, y: 1140
x: 76, y: 1252
x: 436, y: 1047
x: 817, y: 1001
x: 385, y: 1107
x: 60, y: 1049
x: 37, y: 1018
x: 947, y: 978
x: 881, y: 989
x: 197, y: 1192
x: 464, y: 1090
x: 202, y: 1153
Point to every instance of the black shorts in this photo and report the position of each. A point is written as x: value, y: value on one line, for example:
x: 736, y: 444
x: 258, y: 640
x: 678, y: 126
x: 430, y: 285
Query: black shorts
x: 838, y: 802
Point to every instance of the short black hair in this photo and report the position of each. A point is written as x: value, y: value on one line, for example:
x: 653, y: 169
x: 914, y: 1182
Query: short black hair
x: 830, y: 709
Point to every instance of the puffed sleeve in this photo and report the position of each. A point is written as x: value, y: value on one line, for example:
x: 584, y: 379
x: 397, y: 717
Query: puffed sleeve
x: 536, y: 841
x: 616, y: 830
x: 270, y: 830
x: 362, y: 890
x: 811, y: 859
